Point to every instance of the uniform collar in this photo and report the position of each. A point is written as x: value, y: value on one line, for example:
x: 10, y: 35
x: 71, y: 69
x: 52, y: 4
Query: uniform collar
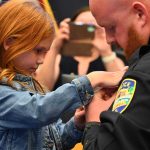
x: 140, y: 52
x: 134, y: 57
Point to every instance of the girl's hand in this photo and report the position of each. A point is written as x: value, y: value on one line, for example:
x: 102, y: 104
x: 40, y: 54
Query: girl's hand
x: 79, y: 118
x: 105, y: 79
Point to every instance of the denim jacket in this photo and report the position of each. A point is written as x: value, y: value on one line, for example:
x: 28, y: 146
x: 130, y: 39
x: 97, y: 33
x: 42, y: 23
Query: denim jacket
x: 30, y: 121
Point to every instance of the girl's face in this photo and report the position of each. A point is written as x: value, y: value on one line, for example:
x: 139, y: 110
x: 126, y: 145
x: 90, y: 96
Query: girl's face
x: 29, y: 61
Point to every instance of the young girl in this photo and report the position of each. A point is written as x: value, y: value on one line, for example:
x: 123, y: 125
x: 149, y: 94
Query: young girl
x: 29, y: 117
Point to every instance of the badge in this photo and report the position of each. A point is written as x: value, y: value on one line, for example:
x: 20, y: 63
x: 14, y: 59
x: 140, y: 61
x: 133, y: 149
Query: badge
x: 124, y: 95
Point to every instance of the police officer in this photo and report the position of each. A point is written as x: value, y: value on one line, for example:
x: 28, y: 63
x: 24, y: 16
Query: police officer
x: 126, y: 125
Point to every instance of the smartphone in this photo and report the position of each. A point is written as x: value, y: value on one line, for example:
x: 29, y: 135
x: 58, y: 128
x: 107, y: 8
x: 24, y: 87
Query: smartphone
x: 80, y: 43
x: 79, y: 31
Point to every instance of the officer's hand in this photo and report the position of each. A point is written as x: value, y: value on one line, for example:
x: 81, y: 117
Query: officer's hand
x: 102, y: 101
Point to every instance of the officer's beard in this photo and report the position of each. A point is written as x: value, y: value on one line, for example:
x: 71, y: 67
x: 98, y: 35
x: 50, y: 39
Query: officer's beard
x: 134, y: 42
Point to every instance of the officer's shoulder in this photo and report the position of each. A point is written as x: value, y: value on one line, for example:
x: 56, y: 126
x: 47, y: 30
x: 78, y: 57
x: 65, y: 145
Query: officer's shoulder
x: 143, y: 64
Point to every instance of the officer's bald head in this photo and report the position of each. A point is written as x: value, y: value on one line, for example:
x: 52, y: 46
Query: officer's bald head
x: 116, y: 3
x: 124, y: 21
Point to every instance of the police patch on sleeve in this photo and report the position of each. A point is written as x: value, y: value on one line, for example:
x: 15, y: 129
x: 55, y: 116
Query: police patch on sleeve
x: 124, y: 95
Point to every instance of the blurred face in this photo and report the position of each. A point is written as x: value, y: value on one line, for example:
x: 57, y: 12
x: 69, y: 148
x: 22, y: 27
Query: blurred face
x: 100, y: 36
x: 87, y: 18
x: 122, y: 24
x: 29, y: 61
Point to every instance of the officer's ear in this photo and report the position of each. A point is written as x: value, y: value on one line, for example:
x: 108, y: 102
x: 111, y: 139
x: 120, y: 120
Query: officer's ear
x: 141, y: 12
x: 7, y: 43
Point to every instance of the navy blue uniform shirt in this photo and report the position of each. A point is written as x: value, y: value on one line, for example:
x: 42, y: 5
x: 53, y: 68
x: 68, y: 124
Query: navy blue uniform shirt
x: 126, y: 125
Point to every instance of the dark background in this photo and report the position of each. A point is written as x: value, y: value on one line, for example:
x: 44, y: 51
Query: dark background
x: 63, y: 8
x: 66, y: 8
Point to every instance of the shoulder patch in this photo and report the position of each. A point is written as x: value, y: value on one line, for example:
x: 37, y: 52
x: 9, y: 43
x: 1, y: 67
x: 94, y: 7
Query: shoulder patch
x: 124, y: 95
